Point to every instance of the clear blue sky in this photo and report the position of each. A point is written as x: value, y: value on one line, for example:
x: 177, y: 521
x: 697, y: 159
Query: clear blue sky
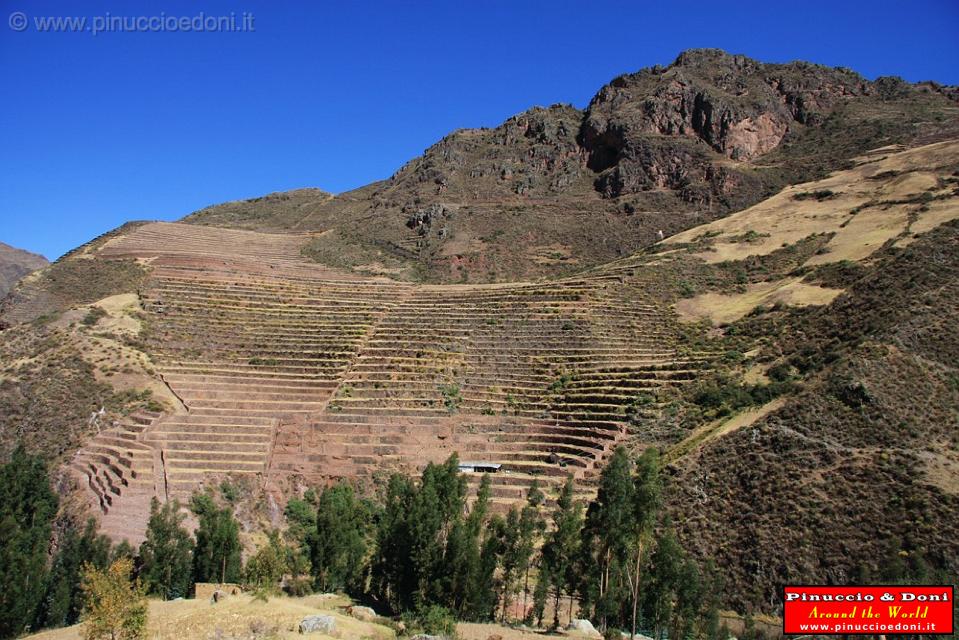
x: 100, y: 129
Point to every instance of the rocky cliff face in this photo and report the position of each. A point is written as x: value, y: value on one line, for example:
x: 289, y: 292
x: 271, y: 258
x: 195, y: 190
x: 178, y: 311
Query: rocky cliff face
x: 661, y: 128
x: 16, y: 263
x: 655, y: 129
x: 737, y: 106
x: 533, y: 153
x: 662, y: 149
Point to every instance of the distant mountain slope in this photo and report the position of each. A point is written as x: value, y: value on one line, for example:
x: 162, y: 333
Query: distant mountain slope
x: 853, y: 477
x: 826, y: 448
x: 16, y: 263
x: 554, y: 190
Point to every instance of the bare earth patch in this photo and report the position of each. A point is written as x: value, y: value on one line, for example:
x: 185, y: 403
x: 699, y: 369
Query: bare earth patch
x: 942, y: 470
x: 116, y: 362
x: 722, y: 427
x: 723, y: 308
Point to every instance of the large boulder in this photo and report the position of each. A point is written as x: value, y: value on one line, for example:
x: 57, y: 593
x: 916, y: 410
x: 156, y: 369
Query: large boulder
x: 320, y: 624
x: 583, y: 628
x: 364, y: 614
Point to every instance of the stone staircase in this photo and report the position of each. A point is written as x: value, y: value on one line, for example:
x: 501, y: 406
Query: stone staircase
x: 120, y: 472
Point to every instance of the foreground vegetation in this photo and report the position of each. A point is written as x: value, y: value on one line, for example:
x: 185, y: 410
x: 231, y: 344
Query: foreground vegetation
x: 424, y: 554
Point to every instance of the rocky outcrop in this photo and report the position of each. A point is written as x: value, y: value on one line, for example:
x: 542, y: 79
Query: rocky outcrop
x: 583, y: 628
x: 535, y: 152
x: 424, y: 221
x: 737, y: 106
x: 635, y: 127
x: 663, y: 128
x: 318, y: 624
x: 364, y: 614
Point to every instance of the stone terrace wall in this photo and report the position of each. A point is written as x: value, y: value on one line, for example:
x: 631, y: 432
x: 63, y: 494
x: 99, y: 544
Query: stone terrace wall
x: 294, y: 373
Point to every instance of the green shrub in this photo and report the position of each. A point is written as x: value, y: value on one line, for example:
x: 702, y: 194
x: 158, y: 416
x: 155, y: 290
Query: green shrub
x: 451, y: 397
x: 686, y: 289
x: 720, y: 396
x: 820, y: 195
x: 733, y: 356
x: 780, y: 372
x: 560, y: 383
x: 114, y: 605
x: 93, y: 316
x: 299, y: 586
x: 229, y: 491
x: 265, y: 569
x: 432, y: 620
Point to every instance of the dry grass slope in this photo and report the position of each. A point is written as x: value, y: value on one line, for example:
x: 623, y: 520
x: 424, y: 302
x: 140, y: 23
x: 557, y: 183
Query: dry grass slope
x: 243, y: 617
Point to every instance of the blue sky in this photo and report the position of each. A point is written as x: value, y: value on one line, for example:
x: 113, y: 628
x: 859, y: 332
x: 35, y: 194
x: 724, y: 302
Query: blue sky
x: 101, y: 129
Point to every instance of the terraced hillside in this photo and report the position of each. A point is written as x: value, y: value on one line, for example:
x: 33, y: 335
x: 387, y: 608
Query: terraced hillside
x: 795, y: 360
x: 296, y: 374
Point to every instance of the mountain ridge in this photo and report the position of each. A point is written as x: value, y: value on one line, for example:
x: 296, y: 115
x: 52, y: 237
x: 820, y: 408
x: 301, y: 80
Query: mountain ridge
x: 556, y: 189
x: 16, y: 263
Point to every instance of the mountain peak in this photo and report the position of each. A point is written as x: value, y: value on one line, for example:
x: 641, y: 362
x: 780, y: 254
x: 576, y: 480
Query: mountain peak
x: 707, y: 55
